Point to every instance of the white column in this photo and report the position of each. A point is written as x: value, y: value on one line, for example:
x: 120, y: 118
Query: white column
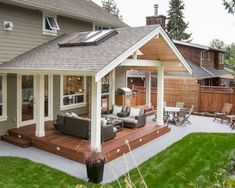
x: 96, y: 115
x: 160, y: 95
x: 111, y: 89
x: 39, y: 102
x: 148, y: 88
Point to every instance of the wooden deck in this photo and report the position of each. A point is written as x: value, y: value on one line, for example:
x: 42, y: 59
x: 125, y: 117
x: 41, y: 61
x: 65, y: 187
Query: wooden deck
x: 77, y: 149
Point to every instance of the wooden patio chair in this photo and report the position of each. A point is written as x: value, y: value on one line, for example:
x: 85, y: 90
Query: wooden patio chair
x: 225, y: 111
x: 179, y: 104
x: 184, y: 116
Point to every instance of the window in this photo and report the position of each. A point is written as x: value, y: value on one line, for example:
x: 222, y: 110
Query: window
x: 203, y: 55
x: 73, y: 91
x: 3, y: 100
x: 98, y: 28
x: 50, y: 25
x: 221, y: 58
x: 105, y: 84
x: 208, y: 56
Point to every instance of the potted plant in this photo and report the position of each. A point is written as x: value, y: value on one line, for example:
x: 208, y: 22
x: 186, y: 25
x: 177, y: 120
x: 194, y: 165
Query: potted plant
x: 95, y: 166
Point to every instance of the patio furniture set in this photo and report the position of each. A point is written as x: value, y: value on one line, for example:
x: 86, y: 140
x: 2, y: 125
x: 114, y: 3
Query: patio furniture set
x: 111, y: 122
x: 177, y: 115
x: 225, y: 114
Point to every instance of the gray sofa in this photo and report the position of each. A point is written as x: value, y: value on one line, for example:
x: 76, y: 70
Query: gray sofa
x: 112, y: 115
x: 136, y: 121
x: 80, y: 127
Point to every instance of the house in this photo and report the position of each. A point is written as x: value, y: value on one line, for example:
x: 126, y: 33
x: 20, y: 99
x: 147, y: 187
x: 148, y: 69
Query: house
x: 207, y: 63
x: 75, y: 65
x: 27, y: 24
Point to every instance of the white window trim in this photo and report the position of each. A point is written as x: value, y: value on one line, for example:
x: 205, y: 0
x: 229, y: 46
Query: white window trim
x: 221, y: 58
x: 208, y: 55
x: 203, y: 55
x: 4, y: 117
x: 46, y: 31
x: 71, y: 106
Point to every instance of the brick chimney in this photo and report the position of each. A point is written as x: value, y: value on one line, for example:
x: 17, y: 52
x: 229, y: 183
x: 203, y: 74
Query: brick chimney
x: 156, y: 19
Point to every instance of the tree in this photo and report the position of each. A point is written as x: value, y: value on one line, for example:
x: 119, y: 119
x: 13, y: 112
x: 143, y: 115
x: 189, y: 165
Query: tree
x: 111, y: 7
x: 230, y: 6
x: 216, y: 43
x: 176, y: 25
x: 230, y: 55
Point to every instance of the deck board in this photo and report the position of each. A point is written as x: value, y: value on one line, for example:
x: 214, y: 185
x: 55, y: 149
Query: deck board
x: 65, y: 145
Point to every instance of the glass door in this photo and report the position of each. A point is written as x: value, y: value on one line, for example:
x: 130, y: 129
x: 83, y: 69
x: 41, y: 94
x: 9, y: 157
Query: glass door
x: 27, y: 98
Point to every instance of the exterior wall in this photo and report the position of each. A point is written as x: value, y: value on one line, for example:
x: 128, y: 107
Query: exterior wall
x: 153, y: 20
x: 209, y: 63
x: 27, y: 30
x: 11, y: 104
x: 56, y: 100
x: 192, y: 54
x: 121, y: 77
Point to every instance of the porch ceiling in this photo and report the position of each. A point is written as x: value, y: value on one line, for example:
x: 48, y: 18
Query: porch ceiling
x: 159, y: 51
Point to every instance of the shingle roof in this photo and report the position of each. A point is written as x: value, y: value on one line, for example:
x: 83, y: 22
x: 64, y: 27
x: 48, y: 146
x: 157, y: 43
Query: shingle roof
x: 201, y: 73
x: 85, y: 9
x: 94, y: 58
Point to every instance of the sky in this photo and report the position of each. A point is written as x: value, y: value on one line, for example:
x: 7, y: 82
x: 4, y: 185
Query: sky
x: 207, y: 19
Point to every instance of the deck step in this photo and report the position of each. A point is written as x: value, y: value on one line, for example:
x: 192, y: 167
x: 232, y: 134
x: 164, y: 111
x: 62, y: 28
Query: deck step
x: 16, y: 141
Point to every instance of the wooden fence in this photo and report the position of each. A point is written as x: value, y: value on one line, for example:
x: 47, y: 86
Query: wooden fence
x: 205, y: 99
x: 212, y: 99
x: 175, y: 90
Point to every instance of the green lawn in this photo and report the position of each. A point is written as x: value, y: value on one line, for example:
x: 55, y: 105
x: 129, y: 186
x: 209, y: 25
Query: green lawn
x: 195, y: 156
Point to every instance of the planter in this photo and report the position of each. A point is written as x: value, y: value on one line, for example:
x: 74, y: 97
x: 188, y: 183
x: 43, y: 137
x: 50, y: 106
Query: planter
x: 95, y: 171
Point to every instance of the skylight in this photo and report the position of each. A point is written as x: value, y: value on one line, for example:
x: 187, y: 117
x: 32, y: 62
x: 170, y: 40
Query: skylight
x: 88, y: 38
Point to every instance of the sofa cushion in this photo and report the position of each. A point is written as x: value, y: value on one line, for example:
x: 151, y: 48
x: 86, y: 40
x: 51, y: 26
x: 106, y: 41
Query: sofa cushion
x: 134, y: 112
x: 117, y: 109
x: 129, y: 120
x: 110, y: 116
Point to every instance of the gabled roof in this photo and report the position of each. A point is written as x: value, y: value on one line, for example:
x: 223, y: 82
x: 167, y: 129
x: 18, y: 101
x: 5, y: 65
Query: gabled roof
x: 80, y: 9
x: 203, y: 47
x: 98, y: 59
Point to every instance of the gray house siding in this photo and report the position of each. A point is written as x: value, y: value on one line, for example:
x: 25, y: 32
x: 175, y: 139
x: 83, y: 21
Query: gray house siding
x: 11, y: 104
x: 27, y: 31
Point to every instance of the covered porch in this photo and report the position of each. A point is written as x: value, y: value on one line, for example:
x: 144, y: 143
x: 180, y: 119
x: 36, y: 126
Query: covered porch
x: 149, y: 49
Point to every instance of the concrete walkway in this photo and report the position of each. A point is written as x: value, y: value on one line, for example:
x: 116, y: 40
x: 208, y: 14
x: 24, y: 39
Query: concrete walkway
x: 118, y: 167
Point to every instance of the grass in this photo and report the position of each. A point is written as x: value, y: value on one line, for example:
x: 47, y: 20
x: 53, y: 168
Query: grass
x: 197, y: 155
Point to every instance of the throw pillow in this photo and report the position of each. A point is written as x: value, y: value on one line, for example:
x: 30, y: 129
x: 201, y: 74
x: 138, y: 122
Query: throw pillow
x: 68, y: 114
x: 74, y: 115
x: 117, y: 109
x: 134, y: 112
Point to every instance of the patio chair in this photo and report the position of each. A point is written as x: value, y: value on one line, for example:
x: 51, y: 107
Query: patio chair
x: 181, y: 117
x: 225, y: 111
x: 186, y: 119
x: 179, y: 104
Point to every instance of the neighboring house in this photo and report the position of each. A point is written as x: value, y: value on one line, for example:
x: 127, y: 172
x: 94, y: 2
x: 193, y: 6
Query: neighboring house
x: 27, y: 24
x: 207, y: 63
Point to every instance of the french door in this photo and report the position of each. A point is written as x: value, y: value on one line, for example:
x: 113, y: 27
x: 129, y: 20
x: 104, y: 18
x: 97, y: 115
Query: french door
x: 26, y: 99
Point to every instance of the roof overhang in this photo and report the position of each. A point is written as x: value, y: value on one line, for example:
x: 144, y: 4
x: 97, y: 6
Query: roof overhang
x: 27, y: 71
x: 124, y: 56
x: 228, y: 76
x: 43, y: 8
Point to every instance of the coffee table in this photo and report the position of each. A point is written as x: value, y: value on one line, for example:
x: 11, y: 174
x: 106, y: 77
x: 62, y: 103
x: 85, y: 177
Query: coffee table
x: 118, y: 123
